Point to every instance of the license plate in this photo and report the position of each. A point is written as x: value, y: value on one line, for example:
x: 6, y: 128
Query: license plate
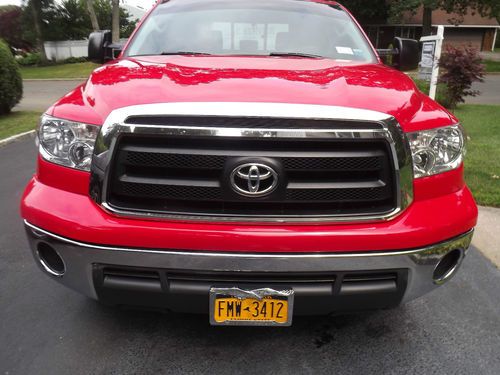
x: 257, y: 307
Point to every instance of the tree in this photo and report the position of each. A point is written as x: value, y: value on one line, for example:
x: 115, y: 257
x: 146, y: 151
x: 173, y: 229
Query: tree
x: 458, y: 7
x: 70, y: 20
x: 66, y: 20
x: 11, y: 26
x: 93, y: 17
x: 374, y: 11
x: 115, y: 23
x: 36, y: 10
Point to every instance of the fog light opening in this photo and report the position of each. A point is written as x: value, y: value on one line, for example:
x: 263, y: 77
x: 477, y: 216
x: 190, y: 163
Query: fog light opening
x: 50, y: 260
x: 447, y: 266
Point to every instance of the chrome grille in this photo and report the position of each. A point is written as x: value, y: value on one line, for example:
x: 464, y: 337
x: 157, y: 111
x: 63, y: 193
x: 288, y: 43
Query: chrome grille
x: 190, y: 176
x: 344, y: 169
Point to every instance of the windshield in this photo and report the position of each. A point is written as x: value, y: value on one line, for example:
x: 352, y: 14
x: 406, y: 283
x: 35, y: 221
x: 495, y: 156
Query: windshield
x: 251, y: 27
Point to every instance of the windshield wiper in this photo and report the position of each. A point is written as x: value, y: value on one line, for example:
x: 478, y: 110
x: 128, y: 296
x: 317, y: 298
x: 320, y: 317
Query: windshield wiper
x: 298, y: 54
x: 186, y: 53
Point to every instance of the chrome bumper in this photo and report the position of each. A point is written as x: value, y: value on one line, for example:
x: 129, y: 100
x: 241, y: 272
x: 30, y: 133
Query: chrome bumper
x: 80, y: 260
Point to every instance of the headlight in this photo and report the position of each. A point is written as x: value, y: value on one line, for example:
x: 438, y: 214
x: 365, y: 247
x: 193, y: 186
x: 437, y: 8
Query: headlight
x: 66, y: 142
x: 437, y: 150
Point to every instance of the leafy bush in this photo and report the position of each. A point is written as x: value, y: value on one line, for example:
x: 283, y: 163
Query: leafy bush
x: 11, y: 83
x: 29, y: 59
x: 461, y: 67
x: 442, y: 94
x: 74, y: 60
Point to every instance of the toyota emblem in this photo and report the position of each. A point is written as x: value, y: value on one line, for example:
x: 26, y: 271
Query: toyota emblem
x: 254, y: 179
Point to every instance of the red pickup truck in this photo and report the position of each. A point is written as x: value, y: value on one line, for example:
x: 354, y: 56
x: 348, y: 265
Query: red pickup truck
x: 252, y: 160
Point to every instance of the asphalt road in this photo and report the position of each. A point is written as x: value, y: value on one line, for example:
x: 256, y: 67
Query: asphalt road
x: 47, y: 329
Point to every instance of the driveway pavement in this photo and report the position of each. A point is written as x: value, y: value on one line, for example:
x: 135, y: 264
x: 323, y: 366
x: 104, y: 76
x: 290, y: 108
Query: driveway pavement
x: 47, y: 329
x: 490, y: 91
x: 39, y: 95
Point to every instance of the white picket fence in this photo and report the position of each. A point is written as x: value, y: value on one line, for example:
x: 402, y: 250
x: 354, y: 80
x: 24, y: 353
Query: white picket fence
x: 64, y: 49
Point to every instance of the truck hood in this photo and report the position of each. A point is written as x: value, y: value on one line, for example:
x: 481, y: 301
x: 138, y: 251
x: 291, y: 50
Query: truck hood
x: 162, y: 79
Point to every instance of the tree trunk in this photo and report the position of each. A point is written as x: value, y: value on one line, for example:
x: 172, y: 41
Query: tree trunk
x: 115, y: 27
x: 36, y: 7
x: 427, y: 21
x: 93, y: 17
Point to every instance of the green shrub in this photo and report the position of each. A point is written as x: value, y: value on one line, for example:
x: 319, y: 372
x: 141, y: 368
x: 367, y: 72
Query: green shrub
x: 442, y: 94
x: 32, y: 59
x: 11, y: 83
x: 29, y: 59
x: 74, y: 60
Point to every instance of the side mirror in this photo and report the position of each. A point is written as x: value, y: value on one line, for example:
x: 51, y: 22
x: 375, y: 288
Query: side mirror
x: 101, y: 48
x: 408, y: 54
x: 97, y: 42
x: 405, y: 54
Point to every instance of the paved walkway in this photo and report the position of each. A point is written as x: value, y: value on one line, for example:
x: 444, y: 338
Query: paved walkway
x: 487, y: 235
x: 495, y: 56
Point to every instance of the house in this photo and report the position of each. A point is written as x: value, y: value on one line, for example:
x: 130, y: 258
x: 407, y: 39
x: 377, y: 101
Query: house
x: 472, y: 30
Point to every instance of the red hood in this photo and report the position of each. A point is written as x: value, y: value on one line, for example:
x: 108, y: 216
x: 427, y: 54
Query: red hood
x: 250, y: 79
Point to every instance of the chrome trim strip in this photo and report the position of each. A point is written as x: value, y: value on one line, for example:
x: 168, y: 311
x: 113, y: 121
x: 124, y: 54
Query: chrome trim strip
x: 389, y: 130
x: 461, y: 241
x: 247, y: 109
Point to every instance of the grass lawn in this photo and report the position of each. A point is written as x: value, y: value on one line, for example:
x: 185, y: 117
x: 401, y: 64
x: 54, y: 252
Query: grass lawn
x: 78, y: 70
x: 18, y: 122
x: 482, y: 162
x: 492, y: 66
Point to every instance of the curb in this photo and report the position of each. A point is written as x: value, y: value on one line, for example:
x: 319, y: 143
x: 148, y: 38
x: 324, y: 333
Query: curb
x: 16, y: 137
x: 55, y: 79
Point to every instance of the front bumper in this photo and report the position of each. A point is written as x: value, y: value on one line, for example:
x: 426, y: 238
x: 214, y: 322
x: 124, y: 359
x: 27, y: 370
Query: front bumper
x: 180, y: 280
x: 433, y: 217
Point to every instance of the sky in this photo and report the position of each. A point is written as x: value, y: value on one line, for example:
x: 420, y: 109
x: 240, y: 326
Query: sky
x: 8, y: 2
x: 145, y: 4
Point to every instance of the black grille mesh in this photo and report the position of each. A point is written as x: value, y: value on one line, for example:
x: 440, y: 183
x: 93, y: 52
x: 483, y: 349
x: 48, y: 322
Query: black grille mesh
x: 175, y: 160
x: 358, y: 164
x: 170, y: 191
x: 217, y: 162
x: 335, y: 194
x: 246, y: 122
x: 185, y: 176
